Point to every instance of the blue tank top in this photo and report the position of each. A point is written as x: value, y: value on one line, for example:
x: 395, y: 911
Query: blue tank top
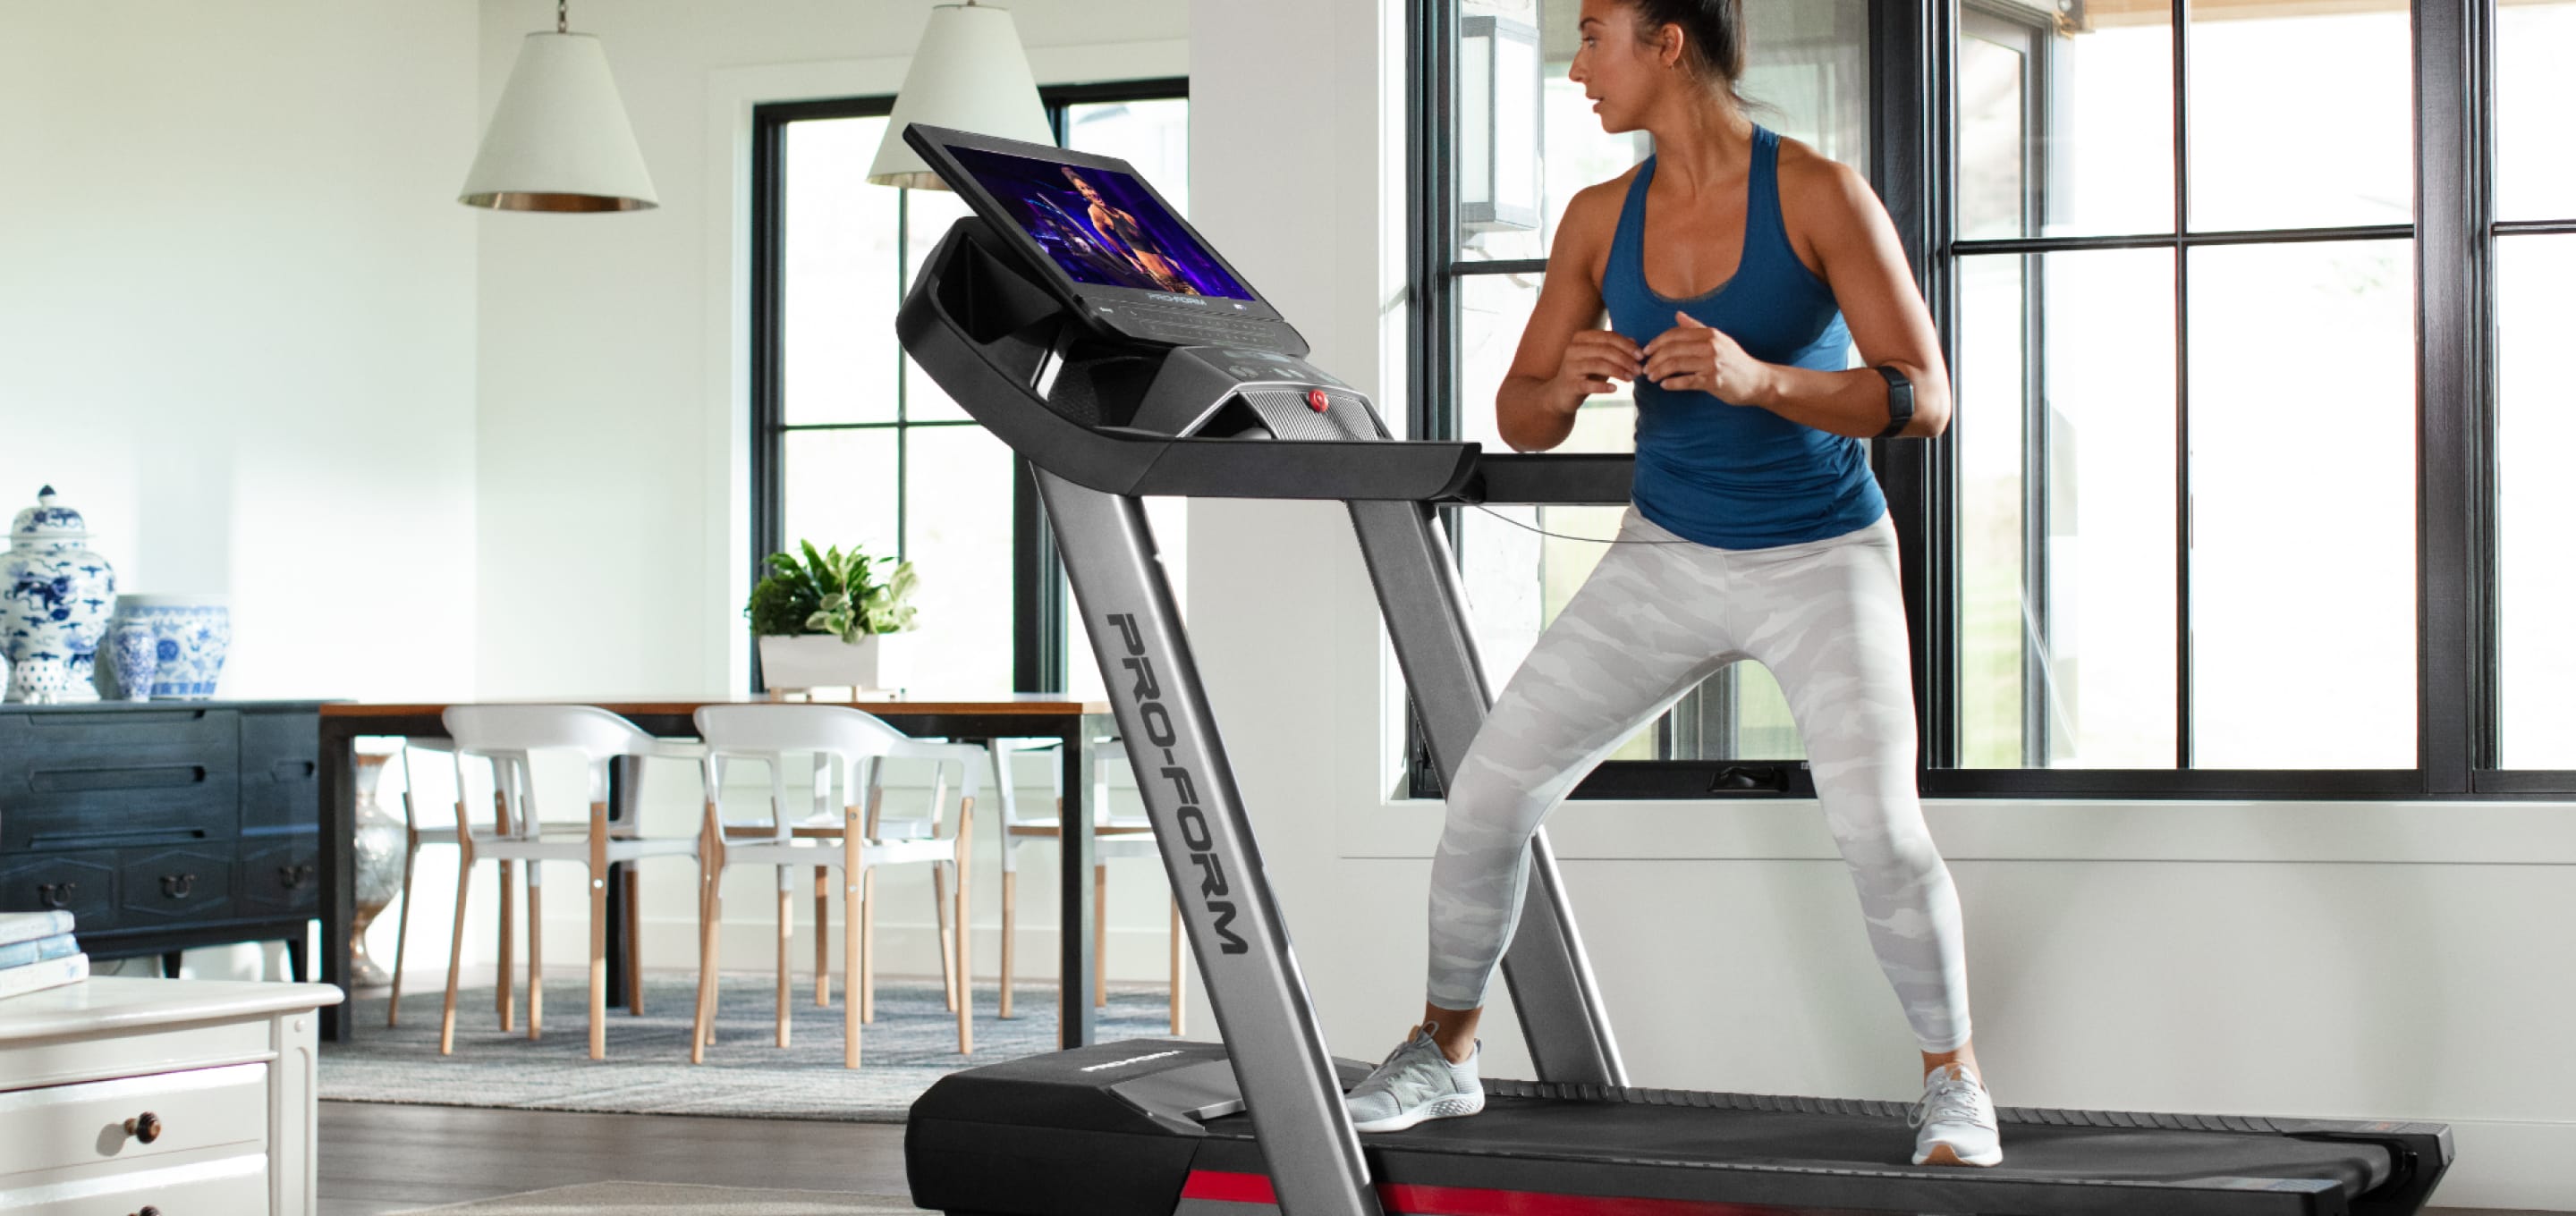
x: 1739, y: 476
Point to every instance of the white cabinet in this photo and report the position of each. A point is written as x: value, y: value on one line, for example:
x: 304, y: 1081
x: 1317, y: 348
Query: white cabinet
x: 123, y: 1096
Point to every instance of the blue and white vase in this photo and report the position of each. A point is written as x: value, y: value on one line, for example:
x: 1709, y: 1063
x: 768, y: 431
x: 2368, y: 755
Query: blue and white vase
x: 138, y: 654
x: 55, y: 599
x: 190, y: 634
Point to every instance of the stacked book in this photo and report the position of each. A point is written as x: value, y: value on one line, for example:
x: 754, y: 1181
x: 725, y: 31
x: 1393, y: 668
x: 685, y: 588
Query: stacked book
x: 37, y: 951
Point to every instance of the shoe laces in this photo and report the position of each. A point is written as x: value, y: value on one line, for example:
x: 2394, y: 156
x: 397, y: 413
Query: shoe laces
x: 1950, y: 1096
x: 1399, y: 1075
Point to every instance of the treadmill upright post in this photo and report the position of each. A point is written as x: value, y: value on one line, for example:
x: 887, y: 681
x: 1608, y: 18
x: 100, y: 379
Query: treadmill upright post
x: 1187, y: 785
x: 1550, y: 978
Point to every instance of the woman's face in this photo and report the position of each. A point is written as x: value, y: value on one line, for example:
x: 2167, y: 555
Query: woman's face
x: 1623, y: 74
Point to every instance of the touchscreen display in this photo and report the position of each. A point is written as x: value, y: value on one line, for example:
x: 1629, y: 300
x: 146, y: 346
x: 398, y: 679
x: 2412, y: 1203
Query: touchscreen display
x: 1101, y: 226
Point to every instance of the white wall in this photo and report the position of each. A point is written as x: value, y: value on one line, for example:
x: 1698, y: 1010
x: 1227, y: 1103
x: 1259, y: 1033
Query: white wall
x: 237, y: 318
x: 613, y: 522
x: 613, y: 431
x: 2389, y: 961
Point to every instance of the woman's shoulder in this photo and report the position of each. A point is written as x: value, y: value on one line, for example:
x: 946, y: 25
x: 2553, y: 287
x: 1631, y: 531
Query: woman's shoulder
x: 1594, y: 209
x: 1811, y: 181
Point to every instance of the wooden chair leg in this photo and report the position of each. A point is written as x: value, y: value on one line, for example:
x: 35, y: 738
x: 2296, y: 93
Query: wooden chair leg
x: 1010, y: 929
x: 455, y: 952
x: 1180, y: 947
x: 634, y: 940
x: 850, y: 899
x: 822, y: 936
x: 536, y: 954
x: 1100, y: 937
x: 402, y: 927
x: 868, y: 944
x: 786, y: 941
x: 598, y: 930
x: 502, y: 995
x: 710, y: 866
x: 947, y: 947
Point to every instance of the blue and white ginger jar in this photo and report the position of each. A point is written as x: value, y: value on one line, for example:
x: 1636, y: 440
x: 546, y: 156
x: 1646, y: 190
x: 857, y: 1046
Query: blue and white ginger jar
x: 55, y: 600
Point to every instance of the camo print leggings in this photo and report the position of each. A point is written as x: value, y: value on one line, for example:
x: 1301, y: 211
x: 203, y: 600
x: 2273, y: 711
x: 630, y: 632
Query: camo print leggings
x: 1652, y: 622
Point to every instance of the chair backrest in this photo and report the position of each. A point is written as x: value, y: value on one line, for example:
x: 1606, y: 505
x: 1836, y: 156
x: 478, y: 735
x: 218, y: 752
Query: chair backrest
x: 773, y: 729
x: 769, y: 733
x: 508, y: 733
x: 594, y: 733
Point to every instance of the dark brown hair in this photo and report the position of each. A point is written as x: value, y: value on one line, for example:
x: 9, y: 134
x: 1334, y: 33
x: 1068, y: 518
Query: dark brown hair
x: 1712, y: 35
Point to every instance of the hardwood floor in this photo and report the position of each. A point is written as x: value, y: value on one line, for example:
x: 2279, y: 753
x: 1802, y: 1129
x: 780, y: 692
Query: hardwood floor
x: 380, y: 1158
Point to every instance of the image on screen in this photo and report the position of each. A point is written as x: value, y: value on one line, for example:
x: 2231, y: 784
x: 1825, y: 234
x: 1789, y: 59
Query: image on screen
x: 1101, y: 226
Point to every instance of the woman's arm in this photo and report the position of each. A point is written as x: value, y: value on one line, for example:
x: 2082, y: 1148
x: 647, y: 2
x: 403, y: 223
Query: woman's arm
x: 1564, y: 356
x: 1865, y: 267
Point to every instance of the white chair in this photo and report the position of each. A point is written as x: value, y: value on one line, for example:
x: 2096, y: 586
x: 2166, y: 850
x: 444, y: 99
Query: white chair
x: 1113, y: 837
x: 507, y: 736
x: 857, y: 838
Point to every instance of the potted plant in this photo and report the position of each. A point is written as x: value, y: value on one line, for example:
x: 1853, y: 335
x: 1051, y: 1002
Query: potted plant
x: 822, y: 621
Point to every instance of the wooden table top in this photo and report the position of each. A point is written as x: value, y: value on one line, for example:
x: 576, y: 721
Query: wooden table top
x: 1033, y: 704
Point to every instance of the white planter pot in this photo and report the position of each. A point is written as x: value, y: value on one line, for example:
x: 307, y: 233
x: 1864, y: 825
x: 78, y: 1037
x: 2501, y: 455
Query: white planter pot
x: 820, y: 660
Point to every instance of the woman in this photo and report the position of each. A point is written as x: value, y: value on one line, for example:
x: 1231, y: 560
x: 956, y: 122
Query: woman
x: 1737, y: 270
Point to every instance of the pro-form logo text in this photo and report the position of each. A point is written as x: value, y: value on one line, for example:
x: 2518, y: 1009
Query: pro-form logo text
x: 1148, y: 691
x: 1160, y: 298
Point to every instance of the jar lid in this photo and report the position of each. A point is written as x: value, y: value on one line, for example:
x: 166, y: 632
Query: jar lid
x: 49, y: 519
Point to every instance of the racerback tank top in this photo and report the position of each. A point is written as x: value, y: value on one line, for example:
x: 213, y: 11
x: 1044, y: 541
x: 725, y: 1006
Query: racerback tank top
x: 1737, y: 476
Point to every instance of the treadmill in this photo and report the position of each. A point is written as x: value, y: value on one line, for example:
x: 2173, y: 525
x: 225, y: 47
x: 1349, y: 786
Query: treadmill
x: 1091, y: 329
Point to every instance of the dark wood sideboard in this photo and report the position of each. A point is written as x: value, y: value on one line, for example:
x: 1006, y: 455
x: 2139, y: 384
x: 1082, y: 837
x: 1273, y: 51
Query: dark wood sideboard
x: 164, y: 825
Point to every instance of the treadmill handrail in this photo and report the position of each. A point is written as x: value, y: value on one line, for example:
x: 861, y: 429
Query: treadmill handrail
x: 1577, y: 479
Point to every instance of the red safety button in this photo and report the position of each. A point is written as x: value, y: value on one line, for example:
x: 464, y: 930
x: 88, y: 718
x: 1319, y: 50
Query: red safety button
x: 1316, y: 400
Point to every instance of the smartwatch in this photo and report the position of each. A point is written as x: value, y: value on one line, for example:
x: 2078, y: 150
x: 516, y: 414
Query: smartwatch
x: 1900, y: 401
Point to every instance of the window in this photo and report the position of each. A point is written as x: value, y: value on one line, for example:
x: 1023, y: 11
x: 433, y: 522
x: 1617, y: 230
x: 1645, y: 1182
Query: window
x: 2221, y: 512
x: 852, y: 443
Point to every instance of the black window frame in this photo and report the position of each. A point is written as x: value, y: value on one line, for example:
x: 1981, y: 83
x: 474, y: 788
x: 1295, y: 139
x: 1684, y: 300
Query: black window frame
x: 1913, y: 165
x: 1039, y: 645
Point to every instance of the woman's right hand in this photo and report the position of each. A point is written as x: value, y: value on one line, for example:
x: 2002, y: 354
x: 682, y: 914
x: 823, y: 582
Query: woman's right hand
x: 1595, y: 359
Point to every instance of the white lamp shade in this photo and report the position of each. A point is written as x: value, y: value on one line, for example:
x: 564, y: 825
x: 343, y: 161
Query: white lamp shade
x: 560, y: 140
x: 968, y: 74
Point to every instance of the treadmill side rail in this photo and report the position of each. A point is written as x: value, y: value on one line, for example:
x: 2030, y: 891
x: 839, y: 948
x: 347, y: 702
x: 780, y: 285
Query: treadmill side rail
x: 1209, y: 853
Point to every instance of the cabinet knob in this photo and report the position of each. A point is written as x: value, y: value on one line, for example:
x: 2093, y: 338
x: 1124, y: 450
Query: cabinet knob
x: 55, y: 894
x: 145, y: 1127
x: 149, y: 1210
x: 177, y: 886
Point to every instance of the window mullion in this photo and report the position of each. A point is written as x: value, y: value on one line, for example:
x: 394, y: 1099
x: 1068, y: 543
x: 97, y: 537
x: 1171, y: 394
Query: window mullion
x: 2456, y: 727
x: 2182, y: 385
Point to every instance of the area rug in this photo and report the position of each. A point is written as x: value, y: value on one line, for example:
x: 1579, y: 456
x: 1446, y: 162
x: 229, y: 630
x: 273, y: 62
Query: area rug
x: 912, y: 1044
x: 678, y: 1200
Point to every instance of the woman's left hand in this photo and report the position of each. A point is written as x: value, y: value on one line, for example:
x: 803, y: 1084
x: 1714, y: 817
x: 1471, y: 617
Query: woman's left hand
x: 1693, y: 356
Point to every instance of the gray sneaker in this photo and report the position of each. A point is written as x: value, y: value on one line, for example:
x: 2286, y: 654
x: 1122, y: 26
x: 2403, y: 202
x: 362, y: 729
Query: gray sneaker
x: 1415, y: 1082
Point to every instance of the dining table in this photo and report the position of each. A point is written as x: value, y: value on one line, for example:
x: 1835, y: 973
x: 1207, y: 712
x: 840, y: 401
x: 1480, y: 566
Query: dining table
x: 984, y: 718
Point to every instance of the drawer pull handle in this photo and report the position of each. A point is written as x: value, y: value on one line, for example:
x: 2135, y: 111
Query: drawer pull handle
x: 145, y: 1127
x: 294, y: 877
x: 178, y: 886
x: 55, y: 894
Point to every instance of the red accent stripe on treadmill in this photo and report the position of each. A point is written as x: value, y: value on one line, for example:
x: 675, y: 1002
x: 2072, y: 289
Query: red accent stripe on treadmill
x: 1412, y: 1200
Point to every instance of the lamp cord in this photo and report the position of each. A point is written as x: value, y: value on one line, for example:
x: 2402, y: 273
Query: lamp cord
x: 563, y: 16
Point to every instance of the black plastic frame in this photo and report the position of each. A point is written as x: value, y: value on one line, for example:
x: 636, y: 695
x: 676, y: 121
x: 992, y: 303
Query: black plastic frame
x: 1913, y: 61
x: 1038, y: 593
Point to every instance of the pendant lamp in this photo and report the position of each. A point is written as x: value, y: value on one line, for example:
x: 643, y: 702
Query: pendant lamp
x: 968, y: 74
x: 560, y: 140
